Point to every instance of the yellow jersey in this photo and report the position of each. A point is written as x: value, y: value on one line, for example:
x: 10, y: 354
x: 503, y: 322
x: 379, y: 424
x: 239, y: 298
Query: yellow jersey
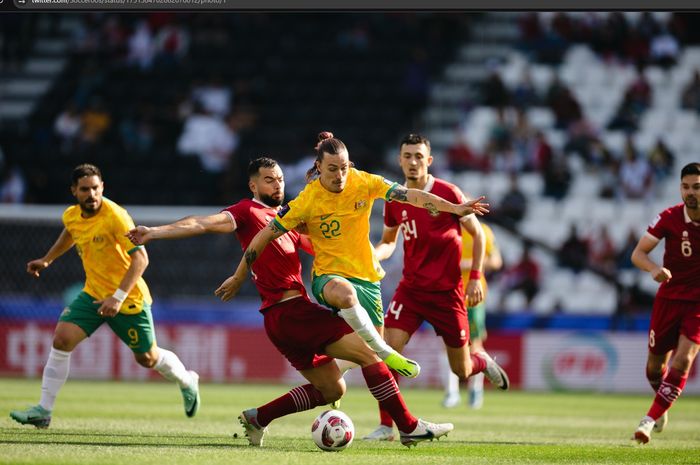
x: 338, y: 224
x: 468, y: 243
x: 104, y: 251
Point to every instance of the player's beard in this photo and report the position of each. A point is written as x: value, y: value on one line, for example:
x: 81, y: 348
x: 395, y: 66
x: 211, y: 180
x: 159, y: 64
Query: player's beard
x: 91, y: 210
x: 271, y: 201
x: 691, y: 202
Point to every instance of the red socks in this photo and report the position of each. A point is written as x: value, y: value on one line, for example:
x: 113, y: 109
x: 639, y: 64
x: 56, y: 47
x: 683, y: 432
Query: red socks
x: 383, y: 387
x: 668, y: 392
x: 298, y: 399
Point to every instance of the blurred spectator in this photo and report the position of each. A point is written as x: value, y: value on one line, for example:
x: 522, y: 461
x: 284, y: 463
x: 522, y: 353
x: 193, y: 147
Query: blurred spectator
x: 171, y: 44
x: 562, y: 102
x: 557, y: 176
x: 141, y: 47
x: 67, y: 127
x: 209, y: 138
x: 13, y: 185
x: 608, y: 171
x: 647, y: 26
x: 661, y: 160
x: 624, y: 255
x: 524, y: 142
x: 690, y: 98
x: 542, y: 151
x: 573, y: 252
x: 525, y: 94
x: 635, y: 173
x: 499, y: 147
x: 493, y: 91
x: 214, y: 97
x: 639, y: 92
x: 664, y: 49
x: 95, y: 121
x: 523, y: 276
x: 601, y: 252
x: 581, y: 136
x: 512, y: 206
x: 460, y: 155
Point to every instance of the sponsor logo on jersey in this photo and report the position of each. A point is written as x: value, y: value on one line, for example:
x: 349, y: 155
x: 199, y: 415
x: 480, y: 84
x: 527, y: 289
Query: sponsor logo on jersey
x: 391, y: 183
x: 360, y: 204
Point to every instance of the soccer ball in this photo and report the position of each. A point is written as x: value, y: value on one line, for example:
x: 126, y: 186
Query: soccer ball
x: 333, y: 431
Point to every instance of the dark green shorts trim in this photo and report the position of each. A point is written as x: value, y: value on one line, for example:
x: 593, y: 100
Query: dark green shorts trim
x: 137, y: 331
x: 369, y: 294
x: 477, y: 321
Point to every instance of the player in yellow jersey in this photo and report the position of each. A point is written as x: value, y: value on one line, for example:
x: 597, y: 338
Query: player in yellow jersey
x: 335, y: 208
x: 477, y: 319
x: 114, y: 293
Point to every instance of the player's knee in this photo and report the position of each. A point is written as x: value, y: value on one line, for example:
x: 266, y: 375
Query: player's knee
x: 146, y: 360
x: 63, y: 343
x: 462, y: 372
x: 332, y: 392
x: 682, y: 363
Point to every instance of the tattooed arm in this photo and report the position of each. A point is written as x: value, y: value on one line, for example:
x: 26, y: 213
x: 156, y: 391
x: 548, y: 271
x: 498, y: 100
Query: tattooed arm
x: 232, y: 285
x: 435, y: 204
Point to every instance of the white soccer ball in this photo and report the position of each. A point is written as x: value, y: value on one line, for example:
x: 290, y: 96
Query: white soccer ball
x: 333, y: 430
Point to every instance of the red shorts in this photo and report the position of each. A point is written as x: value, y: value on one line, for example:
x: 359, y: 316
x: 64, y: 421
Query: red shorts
x: 301, y: 330
x: 671, y: 318
x: 444, y: 310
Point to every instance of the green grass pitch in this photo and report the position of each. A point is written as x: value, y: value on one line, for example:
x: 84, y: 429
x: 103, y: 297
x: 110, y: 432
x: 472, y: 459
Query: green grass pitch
x: 144, y: 423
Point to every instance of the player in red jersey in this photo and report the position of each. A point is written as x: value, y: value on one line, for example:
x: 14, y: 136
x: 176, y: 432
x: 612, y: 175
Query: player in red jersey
x: 675, y: 317
x: 307, y: 334
x: 431, y: 286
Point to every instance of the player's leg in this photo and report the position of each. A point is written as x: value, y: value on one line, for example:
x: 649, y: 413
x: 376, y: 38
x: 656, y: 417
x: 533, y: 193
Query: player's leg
x: 477, y: 334
x: 325, y: 385
x: 341, y: 293
x: 449, y: 318
x: 138, y: 332
x: 670, y: 389
x: 402, y: 320
x: 77, y: 321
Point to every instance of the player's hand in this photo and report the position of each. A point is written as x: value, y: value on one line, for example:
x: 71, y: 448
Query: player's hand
x: 108, y: 307
x: 475, y: 293
x: 661, y: 274
x: 36, y: 266
x: 139, y: 235
x: 475, y: 206
x: 229, y: 288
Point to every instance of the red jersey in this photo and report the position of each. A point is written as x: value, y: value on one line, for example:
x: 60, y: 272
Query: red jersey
x: 432, y: 244
x: 681, y: 254
x: 278, y: 268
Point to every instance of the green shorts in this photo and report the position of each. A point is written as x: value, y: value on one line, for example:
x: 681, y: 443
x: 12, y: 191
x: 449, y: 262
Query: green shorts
x: 477, y: 322
x: 369, y: 294
x: 136, y: 330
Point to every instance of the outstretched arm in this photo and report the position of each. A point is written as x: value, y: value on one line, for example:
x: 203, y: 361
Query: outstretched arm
x: 61, y: 246
x: 385, y: 248
x: 434, y: 204
x: 230, y: 287
x: 640, y: 258
x: 186, y: 227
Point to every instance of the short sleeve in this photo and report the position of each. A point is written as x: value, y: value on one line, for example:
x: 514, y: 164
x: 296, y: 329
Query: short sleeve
x: 389, y: 220
x: 292, y: 214
x: 122, y: 223
x: 659, y: 226
x: 379, y: 187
